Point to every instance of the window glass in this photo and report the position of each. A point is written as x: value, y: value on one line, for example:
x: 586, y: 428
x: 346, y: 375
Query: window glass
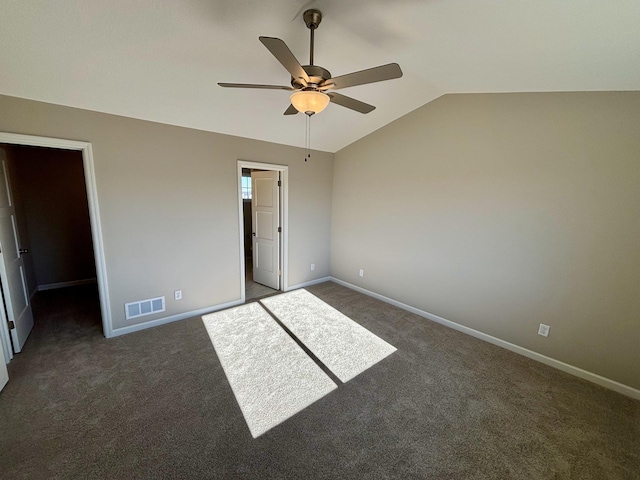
x: 246, y: 187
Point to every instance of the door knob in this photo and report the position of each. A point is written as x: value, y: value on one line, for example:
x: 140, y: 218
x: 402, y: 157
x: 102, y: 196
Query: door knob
x: 22, y: 251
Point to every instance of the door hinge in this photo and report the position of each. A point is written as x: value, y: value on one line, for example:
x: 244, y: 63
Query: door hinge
x: 279, y: 229
x: 279, y: 273
x: 12, y: 325
x: 279, y: 183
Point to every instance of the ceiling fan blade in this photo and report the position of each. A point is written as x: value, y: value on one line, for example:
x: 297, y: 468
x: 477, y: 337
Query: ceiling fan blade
x: 351, y: 103
x: 371, y: 75
x: 252, y: 85
x: 291, y: 110
x: 280, y: 50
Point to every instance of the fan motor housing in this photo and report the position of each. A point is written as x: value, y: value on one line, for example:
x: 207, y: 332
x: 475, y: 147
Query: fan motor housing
x: 312, y: 18
x: 317, y: 75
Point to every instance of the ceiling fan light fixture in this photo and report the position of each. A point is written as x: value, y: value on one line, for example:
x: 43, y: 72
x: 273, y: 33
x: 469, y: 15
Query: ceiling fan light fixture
x: 310, y: 102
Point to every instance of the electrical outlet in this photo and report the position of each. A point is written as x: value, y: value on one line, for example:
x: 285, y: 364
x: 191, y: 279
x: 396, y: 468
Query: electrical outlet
x: 361, y: 273
x: 544, y: 330
x: 177, y: 295
x: 313, y: 266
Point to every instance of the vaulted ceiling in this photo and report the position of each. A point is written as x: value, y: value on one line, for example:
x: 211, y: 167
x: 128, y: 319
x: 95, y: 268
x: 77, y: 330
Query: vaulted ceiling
x: 161, y: 60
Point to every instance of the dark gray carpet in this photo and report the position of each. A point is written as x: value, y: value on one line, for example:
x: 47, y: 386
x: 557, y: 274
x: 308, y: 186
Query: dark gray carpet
x: 156, y: 404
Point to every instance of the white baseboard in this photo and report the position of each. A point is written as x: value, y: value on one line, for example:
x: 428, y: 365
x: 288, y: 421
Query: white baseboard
x: 116, y: 332
x: 552, y: 362
x: 72, y: 283
x: 181, y: 316
x: 309, y: 283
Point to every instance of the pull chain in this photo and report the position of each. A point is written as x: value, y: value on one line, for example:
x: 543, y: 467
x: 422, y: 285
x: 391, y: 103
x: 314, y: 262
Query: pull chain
x: 307, y: 140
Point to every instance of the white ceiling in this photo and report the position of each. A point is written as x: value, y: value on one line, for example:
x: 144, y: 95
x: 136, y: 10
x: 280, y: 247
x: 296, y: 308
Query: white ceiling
x: 160, y: 59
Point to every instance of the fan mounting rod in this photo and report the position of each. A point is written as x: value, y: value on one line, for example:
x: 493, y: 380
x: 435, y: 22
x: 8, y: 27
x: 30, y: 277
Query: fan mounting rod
x: 312, y: 19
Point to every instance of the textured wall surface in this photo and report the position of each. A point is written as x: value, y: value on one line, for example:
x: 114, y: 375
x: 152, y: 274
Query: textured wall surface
x: 52, y: 187
x: 500, y: 212
x: 168, y: 201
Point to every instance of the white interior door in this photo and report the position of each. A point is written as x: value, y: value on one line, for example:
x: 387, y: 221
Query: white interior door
x: 265, y: 208
x: 12, y: 274
x: 4, y: 375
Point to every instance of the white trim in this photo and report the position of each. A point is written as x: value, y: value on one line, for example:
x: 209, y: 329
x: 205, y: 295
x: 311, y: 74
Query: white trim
x: 552, y: 362
x: 94, y: 210
x: 284, y: 221
x: 241, y: 234
x: 308, y: 284
x: 116, y: 332
x: 96, y: 234
x: 72, y: 283
x: 5, y: 334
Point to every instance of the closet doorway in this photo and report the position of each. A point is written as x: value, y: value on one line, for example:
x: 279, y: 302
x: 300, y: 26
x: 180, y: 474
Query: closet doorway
x: 76, y: 238
x: 263, y: 214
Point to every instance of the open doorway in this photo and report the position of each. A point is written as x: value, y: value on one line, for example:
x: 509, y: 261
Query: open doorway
x: 55, y: 221
x: 49, y: 221
x: 263, y: 210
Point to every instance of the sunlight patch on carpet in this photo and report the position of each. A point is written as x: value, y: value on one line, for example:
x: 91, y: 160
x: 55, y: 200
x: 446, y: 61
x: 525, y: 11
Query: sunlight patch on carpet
x: 271, y: 377
x: 344, y: 346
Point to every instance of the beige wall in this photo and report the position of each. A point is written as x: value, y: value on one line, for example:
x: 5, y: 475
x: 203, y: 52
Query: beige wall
x: 169, y: 204
x: 497, y: 212
x: 52, y: 187
x: 503, y: 211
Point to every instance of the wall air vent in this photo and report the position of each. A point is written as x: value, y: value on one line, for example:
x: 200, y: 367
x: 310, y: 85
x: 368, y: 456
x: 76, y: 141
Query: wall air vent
x: 144, y: 307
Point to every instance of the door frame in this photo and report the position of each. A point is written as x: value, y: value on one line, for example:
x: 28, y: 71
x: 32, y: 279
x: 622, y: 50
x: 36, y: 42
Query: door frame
x: 94, y: 219
x: 284, y: 221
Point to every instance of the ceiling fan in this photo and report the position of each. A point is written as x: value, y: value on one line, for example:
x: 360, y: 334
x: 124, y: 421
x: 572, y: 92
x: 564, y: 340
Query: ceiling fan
x: 310, y: 82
